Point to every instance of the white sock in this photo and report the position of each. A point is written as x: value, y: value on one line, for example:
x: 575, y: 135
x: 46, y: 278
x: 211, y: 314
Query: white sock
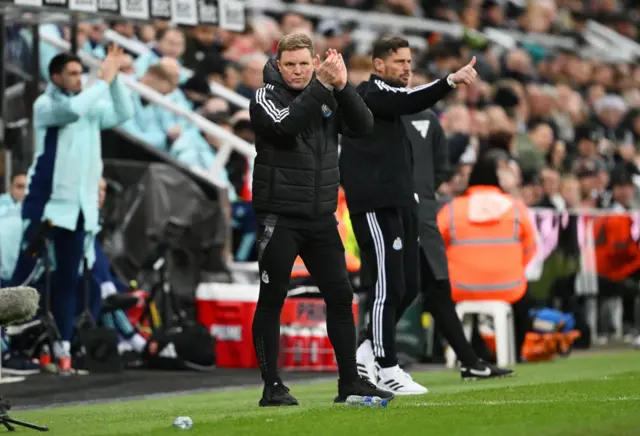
x: 61, y: 349
x: 138, y: 342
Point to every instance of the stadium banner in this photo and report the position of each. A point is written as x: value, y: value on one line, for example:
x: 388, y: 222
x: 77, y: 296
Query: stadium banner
x: 184, y: 12
x: 83, y: 5
x: 228, y: 14
x: 109, y: 6
x: 160, y: 9
x: 134, y: 9
x: 56, y: 3
x: 231, y: 15
x: 208, y: 11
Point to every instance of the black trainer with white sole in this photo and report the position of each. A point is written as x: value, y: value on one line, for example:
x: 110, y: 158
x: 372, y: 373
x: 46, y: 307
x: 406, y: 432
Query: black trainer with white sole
x: 276, y: 395
x: 361, y: 387
x: 483, y: 370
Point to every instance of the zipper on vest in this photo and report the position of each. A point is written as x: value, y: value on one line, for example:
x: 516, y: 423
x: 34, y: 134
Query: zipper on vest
x: 318, y: 164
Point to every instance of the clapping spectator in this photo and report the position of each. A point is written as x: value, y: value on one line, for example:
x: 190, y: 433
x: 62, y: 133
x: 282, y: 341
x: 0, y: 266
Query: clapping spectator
x: 251, y: 73
x: 146, y: 123
x: 171, y: 43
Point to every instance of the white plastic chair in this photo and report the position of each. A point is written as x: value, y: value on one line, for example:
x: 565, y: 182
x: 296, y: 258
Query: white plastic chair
x: 502, y: 315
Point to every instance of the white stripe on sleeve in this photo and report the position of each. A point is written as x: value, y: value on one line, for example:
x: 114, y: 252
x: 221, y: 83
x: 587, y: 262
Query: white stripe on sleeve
x: 277, y: 115
x: 384, y: 87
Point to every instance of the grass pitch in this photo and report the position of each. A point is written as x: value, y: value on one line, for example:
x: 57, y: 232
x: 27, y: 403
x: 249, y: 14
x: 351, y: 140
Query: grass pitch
x: 594, y: 395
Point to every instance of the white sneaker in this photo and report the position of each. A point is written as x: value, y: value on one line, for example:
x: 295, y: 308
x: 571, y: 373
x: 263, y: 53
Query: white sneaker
x: 366, y: 362
x: 395, y: 380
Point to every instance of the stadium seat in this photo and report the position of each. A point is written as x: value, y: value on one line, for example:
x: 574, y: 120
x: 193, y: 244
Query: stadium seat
x: 503, y: 321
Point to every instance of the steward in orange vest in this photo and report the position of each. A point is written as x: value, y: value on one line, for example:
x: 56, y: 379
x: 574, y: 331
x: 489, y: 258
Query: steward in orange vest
x: 489, y: 240
x: 617, y: 249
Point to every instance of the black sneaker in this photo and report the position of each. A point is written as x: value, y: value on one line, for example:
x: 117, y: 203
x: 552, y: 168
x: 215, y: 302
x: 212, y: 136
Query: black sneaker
x: 277, y: 394
x: 16, y: 364
x: 361, y: 387
x: 483, y: 370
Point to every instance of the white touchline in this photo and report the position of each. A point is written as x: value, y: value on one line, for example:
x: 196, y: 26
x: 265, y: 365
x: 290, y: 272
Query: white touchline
x: 510, y: 402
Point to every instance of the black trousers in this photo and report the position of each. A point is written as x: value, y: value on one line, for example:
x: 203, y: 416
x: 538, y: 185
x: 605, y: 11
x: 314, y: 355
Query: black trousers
x: 320, y: 247
x: 388, y: 241
x: 438, y: 302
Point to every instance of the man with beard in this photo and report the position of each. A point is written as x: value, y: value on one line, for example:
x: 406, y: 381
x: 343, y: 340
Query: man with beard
x: 377, y: 176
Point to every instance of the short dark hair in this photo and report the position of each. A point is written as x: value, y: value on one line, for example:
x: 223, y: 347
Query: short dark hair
x: 59, y: 62
x: 386, y: 45
x: 17, y: 173
x: 295, y: 41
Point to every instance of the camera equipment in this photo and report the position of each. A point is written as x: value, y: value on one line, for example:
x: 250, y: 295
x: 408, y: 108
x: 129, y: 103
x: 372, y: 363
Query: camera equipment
x: 39, y: 247
x: 9, y: 422
x: 172, y: 315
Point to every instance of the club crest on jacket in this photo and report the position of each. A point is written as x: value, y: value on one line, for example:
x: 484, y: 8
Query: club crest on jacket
x: 326, y: 111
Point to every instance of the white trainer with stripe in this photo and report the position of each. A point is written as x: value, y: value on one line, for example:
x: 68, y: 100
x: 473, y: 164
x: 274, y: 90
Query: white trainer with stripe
x: 395, y: 380
x: 366, y: 362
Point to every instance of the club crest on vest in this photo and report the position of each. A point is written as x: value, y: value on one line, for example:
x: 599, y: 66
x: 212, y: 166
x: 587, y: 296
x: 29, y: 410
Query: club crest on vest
x: 397, y: 244
x: 265, y: 277
x: 326, y: 111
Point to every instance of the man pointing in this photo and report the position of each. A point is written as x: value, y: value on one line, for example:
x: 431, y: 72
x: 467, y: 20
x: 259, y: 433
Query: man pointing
x: 377, y: 176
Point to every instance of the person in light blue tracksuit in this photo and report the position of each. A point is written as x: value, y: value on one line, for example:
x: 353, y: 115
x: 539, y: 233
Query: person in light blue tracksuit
x: 64, y: 177
x: 171, y: 43
x: 146, y: 123
x: 194, y: 150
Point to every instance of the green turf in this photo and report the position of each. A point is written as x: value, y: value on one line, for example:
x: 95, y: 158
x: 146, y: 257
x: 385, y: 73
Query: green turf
x: 593, y: 395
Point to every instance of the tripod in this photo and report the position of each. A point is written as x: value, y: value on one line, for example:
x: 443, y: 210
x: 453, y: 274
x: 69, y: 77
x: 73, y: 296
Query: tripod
x: 39, y: 247
x: 9, y: 422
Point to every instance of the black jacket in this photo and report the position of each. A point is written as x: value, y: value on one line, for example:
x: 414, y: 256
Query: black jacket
x: 296, y: 173
x: 431, y: 169
x: 377, y: 170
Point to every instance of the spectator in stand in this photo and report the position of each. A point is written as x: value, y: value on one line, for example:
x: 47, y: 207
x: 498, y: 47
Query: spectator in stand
x: 16, y: 193
x: 214, y: 105
x: 531, y: 192
x: 215, y: 69
x: 170, y: 122
x: 127, y: 66
x: 535, y: 144
x: 171, y: 43
x: 95, y: 38
x: 360, y: 68
x: 146, y: 124
x: 336, y: 36
x: 570, y: 191
x: 201, y: 42
x: 48, y: 52
x: 124, y: 28
x: 551, y: 190
x: 197, y: 150
x: 251, y: 73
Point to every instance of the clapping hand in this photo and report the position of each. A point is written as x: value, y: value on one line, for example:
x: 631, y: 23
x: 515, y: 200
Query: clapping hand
x: 112, y: 63
x: 465, y: 75
x: 332, y: 71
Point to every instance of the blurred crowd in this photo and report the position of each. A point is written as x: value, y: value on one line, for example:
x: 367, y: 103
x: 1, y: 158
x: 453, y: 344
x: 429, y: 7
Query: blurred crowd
x: 570, y: 123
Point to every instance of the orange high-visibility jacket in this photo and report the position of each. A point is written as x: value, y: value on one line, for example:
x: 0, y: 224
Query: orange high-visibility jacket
x: 617, y: 254
x: 353, y: 263
x: 489, y: 240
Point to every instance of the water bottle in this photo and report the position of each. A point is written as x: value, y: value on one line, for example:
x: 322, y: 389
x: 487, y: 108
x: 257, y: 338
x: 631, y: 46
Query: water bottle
x: 183, y: 423
x: 357, y: 400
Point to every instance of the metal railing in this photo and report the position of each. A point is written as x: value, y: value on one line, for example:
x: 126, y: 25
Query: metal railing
x: 140, y: 48
x: 231, y: 141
